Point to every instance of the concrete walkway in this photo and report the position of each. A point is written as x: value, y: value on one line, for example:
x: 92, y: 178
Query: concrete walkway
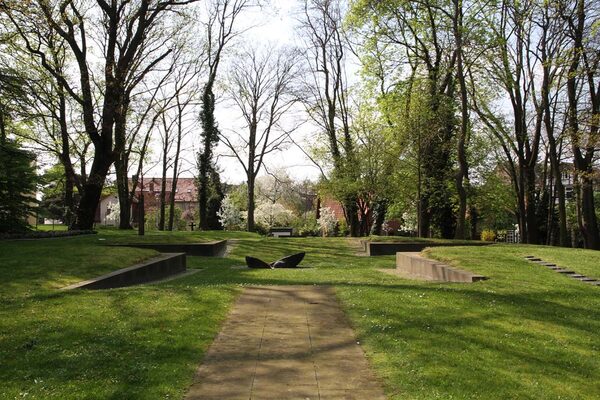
x: 285, y: 342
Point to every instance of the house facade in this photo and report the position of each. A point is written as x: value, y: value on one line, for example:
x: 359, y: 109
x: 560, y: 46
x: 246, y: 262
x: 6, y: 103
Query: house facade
x: 186, y: 199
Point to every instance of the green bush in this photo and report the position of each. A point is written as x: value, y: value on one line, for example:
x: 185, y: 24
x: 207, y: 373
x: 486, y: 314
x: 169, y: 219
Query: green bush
x: 261, y: 229
x: 153, y: 216
x: 18, y: 184
x: 342, y: 229
x: 306, y: 225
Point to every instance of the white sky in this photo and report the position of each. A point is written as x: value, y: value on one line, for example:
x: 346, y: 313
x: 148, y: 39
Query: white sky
x: 273, y: 25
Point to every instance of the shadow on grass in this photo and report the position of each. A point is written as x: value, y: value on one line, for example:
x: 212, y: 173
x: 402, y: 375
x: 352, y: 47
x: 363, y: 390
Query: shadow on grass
x: 526, y: 333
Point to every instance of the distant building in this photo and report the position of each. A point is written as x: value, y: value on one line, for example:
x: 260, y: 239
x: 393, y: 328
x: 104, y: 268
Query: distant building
x: 568, y: 179
x: 186, y: 199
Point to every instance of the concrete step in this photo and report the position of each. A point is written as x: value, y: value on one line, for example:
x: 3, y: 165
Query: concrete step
x: 577, y: 276
x: 565, y: 271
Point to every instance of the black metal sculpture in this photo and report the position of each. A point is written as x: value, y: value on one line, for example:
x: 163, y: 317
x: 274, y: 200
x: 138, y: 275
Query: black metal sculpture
x: 286, y: 262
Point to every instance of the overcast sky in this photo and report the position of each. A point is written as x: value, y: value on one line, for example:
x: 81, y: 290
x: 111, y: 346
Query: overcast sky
x: 272, y: 25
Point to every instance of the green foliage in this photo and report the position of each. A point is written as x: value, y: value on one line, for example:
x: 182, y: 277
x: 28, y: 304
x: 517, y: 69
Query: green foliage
x: 305, y: 224
x: 18, y: 185
x: 52, y: 204
x: 342, y: 229
x: 238, y: 196
x: 153, y: 216
x: 495, y: 201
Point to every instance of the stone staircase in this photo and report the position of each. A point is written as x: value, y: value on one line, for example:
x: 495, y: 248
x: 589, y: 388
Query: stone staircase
x: 564, y: 271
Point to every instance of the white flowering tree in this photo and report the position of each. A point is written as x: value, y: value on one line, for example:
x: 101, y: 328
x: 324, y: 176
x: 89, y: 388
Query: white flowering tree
x: 273, y: 214
x: 229, y: 215
x: 327, y: 221
x: 115, y: 213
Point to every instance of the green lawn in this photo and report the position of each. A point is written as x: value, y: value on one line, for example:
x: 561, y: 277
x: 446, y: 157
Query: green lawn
x: 375, y: 238
x: 527, y: 333
x: 50, y: 227
x: 153, y: 236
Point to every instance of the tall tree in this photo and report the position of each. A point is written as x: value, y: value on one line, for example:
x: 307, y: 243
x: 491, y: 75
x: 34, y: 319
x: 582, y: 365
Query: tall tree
x: 261, y: 85
x: 422, y: 35
x: 124, y: 30
x: 551, y: 47
x: 327, y: 94
x: 462, y: 173
x: 219, y: 33
x: 583, y: 115
x: 507, y: 64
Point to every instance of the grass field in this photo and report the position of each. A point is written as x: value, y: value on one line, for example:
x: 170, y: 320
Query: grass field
x: 375, y: 238
x: 118, y: 236
x: 527, y: 333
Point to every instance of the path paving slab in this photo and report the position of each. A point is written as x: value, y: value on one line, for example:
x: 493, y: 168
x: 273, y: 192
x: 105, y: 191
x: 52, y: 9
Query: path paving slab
x: 285, y: 342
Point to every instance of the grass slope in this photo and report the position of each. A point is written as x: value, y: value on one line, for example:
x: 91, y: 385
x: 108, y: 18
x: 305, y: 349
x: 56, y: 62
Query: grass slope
x: 526, y: 333
x: 141, y: 342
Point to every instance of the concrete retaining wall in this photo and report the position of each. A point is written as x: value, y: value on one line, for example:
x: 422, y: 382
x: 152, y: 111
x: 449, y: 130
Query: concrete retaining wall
x: 419, y: 267
x: 209, y: 249
x: 391, y: 248
x: 154, y: 269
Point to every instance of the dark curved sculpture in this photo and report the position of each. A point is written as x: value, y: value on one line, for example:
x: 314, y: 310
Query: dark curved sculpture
x: 286, y: 262
x: 252, y: 262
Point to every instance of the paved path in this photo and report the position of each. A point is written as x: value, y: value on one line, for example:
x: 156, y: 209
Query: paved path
x: 285, y: 342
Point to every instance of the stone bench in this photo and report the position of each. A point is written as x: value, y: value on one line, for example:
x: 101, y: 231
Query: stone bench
x: 281, y: 232
x: 416, y: 266
x: 156, y: 268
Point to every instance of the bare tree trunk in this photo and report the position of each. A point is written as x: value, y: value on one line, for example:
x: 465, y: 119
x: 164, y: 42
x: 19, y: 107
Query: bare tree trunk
x: 380, y: 213
x: 463, y: 166
x: 582, y: 160
x: 250, y: 168
x: 163, y: 183
x: 175, y: 165
x: 163, y: 197
x: 123, y: 194
x: 559, y: 188
x: 65, y: 158
x: 251, y: 205
x: 92, y: 190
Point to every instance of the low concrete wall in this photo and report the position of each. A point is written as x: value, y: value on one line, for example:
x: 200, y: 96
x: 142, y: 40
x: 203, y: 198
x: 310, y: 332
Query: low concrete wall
x: 391, y: 248
x: 209, y: 249
x: 154, y: 269
x: 419, y: 267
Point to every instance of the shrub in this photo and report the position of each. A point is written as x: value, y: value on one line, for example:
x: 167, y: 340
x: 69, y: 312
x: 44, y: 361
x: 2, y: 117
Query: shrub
x: 230, y: 216
x: 342, y: 229
x: 488, y: 235
x: 327, y: 222
x: 306, y: 224
x: 272, y: 215
x: 261, y: 229
x: 18, y: 184
x: 151, y: 219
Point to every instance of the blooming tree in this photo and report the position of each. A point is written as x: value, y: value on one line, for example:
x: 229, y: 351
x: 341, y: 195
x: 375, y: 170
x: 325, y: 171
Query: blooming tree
x: 229, y: 215
x: 273, y: 214
x: 327, y: 221
x: 115, y: 213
